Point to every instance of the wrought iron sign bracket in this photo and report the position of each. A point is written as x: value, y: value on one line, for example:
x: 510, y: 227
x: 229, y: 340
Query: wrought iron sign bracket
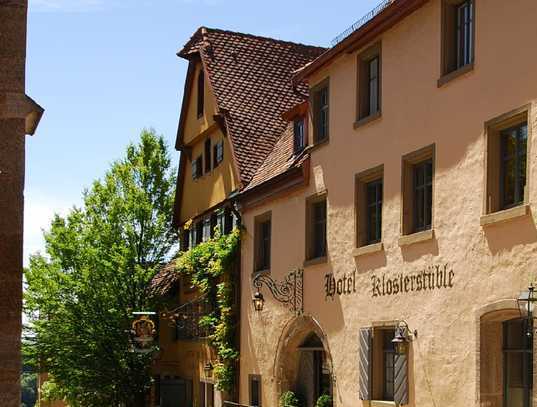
x: 289, y: 292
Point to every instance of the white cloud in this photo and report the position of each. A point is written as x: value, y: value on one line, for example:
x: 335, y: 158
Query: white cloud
x: 73, y: 6
x: 39, y: 209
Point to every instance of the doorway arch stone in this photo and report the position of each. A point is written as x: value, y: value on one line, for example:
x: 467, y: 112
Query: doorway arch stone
x: 301, y: 333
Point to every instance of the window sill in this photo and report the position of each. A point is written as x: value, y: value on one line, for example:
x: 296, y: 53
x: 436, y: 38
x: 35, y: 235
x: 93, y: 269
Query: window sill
x: 455, y: 74
x: 381, y: 403
x: 368, y: 119
x: 505, y: 215
x: 369, y: 249
x: 315, y: 261
x: 318, y: 144
x: 417, y: 237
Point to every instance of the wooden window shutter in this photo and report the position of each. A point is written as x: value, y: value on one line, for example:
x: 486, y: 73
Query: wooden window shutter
x: 401, y: 379
x: 365, y: 352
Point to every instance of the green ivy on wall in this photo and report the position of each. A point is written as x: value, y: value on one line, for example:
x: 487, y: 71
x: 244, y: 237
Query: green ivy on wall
x: 209, y: 265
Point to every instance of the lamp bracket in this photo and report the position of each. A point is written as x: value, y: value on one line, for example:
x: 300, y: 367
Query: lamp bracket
x: 290, y: 291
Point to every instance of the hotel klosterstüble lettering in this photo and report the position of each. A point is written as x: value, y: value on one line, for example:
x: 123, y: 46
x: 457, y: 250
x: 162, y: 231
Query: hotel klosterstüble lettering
x: 431, y: 278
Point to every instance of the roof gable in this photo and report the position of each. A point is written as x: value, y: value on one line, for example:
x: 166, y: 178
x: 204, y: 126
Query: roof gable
x: 251, y: 78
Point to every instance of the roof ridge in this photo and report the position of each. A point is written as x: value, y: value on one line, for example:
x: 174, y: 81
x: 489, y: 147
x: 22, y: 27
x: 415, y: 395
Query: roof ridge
x: 261, y: 37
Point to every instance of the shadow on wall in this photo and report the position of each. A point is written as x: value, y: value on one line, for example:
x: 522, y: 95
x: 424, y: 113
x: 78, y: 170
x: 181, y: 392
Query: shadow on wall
x: 370, y: 262
x: 505, y: 236
x: 416, y: 251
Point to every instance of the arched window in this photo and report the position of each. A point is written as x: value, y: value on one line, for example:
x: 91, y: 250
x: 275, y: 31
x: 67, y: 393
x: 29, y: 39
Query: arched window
x: 201, y: 92
x: 506, y: 360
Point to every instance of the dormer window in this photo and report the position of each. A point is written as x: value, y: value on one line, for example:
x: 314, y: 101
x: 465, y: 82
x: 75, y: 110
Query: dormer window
x: 201, y: 93
x: 299, y: 135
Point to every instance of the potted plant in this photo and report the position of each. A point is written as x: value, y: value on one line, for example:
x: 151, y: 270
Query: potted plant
x: 289, y: 399
x: 324, y: 401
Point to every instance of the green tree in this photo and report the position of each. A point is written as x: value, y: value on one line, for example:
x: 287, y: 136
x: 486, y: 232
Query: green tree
x: 99, y: 261
x: 29, y: 389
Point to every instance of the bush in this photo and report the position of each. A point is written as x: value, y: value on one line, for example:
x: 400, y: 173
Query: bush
x: 324, y: 401
x: 289, y: 399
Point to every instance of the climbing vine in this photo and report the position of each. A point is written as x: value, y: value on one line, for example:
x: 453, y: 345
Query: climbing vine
x: 209, y: 266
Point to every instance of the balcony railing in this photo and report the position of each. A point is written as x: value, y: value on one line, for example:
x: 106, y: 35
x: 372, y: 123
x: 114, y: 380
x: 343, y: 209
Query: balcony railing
x: 187, y: 319
x: 362, y: 21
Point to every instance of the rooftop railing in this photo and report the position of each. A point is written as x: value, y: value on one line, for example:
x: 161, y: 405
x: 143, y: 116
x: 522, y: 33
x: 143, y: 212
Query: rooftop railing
x: 362, y: 21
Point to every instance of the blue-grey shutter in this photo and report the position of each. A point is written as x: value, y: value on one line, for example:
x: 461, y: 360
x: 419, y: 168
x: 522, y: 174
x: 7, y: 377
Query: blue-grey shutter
x: 400, y: 393
x: 365, y: 352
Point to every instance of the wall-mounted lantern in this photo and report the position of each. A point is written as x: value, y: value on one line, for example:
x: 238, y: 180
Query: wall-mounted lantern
x: 208, y: 369
x: 258, y: 300
x: 288, y: 292
x: 526, y: 304
x: 403, y: 336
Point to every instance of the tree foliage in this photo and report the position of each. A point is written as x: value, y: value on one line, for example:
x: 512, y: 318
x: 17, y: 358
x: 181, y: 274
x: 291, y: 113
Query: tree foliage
x: 210, y: 266
x: 99, y: 260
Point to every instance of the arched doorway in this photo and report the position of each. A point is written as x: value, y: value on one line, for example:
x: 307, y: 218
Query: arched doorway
x: 303, y: 363
x: 506, y: 359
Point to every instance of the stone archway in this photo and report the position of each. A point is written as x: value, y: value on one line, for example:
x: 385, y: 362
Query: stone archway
x: 504, y: 355
x: 303, y: 362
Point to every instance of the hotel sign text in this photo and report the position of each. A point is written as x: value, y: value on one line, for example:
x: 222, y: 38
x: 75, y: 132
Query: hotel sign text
x: 435, y: 277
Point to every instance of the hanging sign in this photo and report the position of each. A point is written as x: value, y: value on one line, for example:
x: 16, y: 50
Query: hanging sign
x: 143, y: 333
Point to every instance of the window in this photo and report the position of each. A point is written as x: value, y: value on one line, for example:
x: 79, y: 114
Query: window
x: 369, y: 82
x: 418, y: 180
x: 316, y: 227
x: 201, y: 92
x: 457, y: 34
x: 518, y: 359
x: 228, y: 220
x: 388, y: 364
x: 206, y: 394
x: 206, y: 229
x: 255, y: 390
x: 507, y: 155
x: 262, y: 242
x: 374, y: 211
x: 423, y: 195
x: 513, y: 164
x: 382, y: 369
x: 218, y: 154
x: 197, y: 169
x: 320, y: 112
x: 208, y: 155
x: 214, y: 224
x: 199, y: 233
x: 186, y: 240
x: 369, y: 191
x: 299, y: 135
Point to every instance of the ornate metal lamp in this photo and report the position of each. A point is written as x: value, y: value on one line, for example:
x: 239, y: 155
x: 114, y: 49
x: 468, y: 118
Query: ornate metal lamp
x: 403, y: 336
x: 289, y: 291
x: 526, y: 305
x: 208, y: 369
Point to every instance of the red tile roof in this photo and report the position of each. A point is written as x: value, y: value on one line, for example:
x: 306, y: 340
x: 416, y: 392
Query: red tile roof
x: 251, y: 77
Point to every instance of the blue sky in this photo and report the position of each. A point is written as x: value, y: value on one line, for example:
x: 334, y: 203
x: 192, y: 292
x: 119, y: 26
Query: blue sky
x: 105, y: 69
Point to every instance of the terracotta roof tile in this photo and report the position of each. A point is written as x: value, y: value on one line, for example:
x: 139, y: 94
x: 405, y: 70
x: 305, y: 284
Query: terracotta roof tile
x: 164, y: 280
x: 252, y: 80
x: 281, y: 159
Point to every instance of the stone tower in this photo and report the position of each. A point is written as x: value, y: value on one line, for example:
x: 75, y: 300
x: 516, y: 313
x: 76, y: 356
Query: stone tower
x: 19, y: 115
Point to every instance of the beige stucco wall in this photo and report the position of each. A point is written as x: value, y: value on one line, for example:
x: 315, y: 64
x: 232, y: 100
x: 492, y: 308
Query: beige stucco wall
x: 489, y: 264
x: 214, y: 187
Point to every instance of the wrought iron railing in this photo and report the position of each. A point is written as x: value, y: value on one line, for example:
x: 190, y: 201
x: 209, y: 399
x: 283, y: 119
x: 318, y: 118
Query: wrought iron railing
x: 187, y: 319
x: 362, y: 21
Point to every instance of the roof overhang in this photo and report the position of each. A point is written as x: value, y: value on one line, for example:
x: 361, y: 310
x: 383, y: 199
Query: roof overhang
x: 289, y: 181
x: 382, y: 22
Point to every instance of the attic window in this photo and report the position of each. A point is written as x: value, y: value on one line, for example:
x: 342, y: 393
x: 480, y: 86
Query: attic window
x: 299, y: 135
x: 201, y: 93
